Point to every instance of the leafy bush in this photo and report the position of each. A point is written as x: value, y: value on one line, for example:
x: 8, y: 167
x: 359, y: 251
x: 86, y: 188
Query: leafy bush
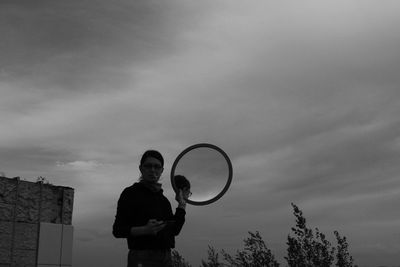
x: 255, y: 253
x: 343, y: 257
x: 306, y: 248
x: 178, y: 260
x: 212, y: 259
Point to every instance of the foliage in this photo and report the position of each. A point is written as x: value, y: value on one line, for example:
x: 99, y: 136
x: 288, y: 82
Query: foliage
x: 43, y: 180
x: 306, y: 248
x: 309, y: 249
x: 212, y: 259
x: 178, y: 260
x: 255, y: 253
x: 343, y: 257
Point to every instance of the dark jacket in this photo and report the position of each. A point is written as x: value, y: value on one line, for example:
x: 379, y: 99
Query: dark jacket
x: 136, y: 205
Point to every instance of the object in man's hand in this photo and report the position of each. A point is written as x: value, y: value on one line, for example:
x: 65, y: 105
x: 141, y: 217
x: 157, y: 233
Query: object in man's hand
x: 181, y: 182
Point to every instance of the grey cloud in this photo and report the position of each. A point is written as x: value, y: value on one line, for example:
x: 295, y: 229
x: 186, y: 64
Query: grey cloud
x: 70, y: 44
x: 31, y: 158
x: 59, y: 166
x: 343, y: 156
x: 305, y: 105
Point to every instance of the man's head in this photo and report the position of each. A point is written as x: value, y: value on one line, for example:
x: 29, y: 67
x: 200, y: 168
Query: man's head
x: 152, y: 154
x: 151, y: 166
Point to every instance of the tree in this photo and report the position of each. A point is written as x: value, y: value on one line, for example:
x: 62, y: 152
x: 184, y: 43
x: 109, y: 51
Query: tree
x: 178, y: 260
x: 255, y: 253
x: 212, y: 259
x: 343, y: 257
x: 306, y: 249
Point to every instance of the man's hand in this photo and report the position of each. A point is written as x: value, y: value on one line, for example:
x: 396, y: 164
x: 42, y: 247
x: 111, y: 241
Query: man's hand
x: 153, y: 226
x: 181, y: 197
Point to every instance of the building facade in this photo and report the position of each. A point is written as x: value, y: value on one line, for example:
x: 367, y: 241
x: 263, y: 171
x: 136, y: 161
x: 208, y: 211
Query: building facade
x: 35, y: 224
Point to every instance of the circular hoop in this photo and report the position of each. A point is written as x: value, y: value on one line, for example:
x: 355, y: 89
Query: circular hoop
x: 228, y: 183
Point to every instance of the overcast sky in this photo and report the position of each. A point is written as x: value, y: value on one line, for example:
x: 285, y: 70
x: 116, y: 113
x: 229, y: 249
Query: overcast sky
x: 302, y: 95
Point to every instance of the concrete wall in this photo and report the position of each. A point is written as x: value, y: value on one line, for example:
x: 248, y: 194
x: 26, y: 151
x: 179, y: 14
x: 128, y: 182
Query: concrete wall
x: 24, y: 207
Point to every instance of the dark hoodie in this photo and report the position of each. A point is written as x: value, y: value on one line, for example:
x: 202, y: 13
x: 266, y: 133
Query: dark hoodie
x: 139, y: 203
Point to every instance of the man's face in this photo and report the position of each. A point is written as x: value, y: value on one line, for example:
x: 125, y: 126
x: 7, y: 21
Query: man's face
x: 186, y: 192
x: 151, y: 170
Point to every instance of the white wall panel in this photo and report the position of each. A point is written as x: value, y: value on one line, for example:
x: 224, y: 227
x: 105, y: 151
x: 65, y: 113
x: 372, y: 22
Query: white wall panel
x: 50, y: 237
x: 67, y: 239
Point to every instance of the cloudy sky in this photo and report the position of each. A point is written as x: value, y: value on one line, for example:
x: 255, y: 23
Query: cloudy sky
x: 302, y: 95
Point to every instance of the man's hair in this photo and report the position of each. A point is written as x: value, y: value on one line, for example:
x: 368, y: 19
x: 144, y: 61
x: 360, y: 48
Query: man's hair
x: 181, y: 181
x: 152, y: 154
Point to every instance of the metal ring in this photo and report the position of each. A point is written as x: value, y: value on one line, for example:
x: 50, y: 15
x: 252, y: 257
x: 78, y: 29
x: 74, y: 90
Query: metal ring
x: 228, y: 183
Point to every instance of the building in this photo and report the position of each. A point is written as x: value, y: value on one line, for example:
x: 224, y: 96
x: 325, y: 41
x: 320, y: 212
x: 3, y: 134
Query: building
x: 35, y: 224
